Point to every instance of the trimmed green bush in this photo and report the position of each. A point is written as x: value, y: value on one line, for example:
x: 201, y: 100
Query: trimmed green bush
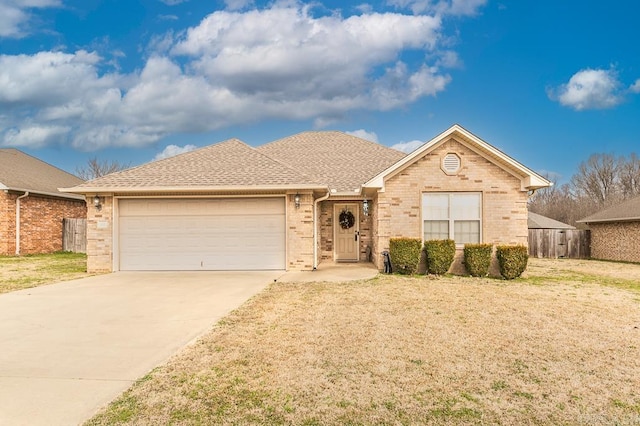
x: 512, y: 260
x: 439, y: 255
x: 477, y: 259
x: 405, y: 254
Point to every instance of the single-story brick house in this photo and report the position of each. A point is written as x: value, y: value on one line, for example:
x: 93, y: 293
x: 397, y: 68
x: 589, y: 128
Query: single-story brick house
x: 31, y: 206
x: 302, y: 200
x: 615, y: 232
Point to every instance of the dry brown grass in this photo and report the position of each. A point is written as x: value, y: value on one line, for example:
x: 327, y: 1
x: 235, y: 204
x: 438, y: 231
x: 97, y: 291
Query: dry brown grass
x: 20, y: 272
x: 397, y: 350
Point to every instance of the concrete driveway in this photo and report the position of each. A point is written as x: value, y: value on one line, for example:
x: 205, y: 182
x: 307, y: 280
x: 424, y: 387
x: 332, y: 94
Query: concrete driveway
x: 69, y: 348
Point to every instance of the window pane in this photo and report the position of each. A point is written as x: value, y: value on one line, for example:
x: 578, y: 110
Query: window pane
x: 465, y: 206
x: 466, y: 231
x: 436, y: 230
x: 435, y: 206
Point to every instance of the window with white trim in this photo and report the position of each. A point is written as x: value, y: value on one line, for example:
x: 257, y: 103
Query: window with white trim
x: 454, y: 215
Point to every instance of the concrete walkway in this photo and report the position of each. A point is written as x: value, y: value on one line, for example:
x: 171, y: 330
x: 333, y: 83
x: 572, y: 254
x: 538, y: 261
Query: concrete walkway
x: 67, y: 349
x: 333, y: 272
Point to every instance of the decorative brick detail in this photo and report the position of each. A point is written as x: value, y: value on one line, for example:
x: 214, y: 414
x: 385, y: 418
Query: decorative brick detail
x: 615, y: 241
x: 504, y: 204
x: 40, y: 222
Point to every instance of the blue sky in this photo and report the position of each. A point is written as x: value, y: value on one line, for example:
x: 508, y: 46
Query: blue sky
x: 548, y: 82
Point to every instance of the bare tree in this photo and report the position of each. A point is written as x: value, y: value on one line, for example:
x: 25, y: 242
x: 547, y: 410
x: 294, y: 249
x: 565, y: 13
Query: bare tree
x: 559, y: 203
x: 629, y: 173
x: 601, y: 181
x: 597, y: 179
x: 96, y: 168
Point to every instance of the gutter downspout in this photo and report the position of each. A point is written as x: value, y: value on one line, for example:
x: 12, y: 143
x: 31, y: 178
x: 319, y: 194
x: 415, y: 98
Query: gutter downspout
x: 315, y: 228
x: 25, y: 195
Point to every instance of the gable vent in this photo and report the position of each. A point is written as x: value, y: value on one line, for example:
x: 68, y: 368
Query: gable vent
x: 451, y: 163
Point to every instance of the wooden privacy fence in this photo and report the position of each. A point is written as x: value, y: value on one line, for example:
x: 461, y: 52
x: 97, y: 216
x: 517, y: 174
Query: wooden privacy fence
x: 74, y: 235
x: 554, y: 243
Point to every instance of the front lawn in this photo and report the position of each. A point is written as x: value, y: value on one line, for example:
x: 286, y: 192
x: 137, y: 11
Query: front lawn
x: 20, y: 272
x: 556, y: 347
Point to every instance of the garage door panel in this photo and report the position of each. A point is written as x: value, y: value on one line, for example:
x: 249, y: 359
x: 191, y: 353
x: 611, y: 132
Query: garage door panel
x: 220, y: 234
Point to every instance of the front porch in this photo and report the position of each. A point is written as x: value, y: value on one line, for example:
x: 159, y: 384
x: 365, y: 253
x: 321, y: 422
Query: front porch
x: 346, y: 232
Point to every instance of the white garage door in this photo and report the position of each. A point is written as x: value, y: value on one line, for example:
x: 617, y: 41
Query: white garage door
x: 202, y: 234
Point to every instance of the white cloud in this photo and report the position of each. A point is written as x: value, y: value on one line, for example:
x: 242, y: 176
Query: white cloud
x: 364, y: 8
x: 590, y: 89
x: 440, y: 7
x: 35, y: 136
x: 408, y: 147
x: 363, y: 134
x: 15, y: 15
x: 234, y: 5
x: 48, y: 78
x: 233, y: 68
x: 173, y: 150
x: 173, y: 2
x: 635, y: 87
x: 449, y: 59
x: 465, y: 7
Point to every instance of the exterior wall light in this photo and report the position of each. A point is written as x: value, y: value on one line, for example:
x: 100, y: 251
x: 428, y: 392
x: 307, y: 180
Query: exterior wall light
x: 365, y: 207
x: 97, y: 203
x: 296, y: 201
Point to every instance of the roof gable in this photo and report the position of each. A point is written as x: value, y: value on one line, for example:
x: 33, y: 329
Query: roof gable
x: 529, y: 179
x: 341, y: 161
x: 231, y: 164
x: 624, y: 212
x: 22, y: 172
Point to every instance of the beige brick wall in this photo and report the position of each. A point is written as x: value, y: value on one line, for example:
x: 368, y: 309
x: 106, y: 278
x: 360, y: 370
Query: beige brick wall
x: 326, y: 222
x: 300, y: 233
x: 616, y: 241
x: 504, y: 205
x: 40, y: 222
x: 100, y: 237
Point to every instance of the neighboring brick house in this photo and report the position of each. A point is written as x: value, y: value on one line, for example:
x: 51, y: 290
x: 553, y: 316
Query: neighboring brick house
x: 302, y: 200
x: 615, y: 232
x: 31, y: 207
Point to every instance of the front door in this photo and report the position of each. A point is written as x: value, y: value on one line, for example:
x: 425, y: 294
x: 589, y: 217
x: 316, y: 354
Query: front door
x: 346, y: 232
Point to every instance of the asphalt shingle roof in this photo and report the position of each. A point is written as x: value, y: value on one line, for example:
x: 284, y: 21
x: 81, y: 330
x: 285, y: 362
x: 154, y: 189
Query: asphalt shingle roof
x: 341, y: 161
x: 227, y: 164
x: 626, y: 211
x: 537, y: 221
x: 331, y: 160
x: 20, y: 171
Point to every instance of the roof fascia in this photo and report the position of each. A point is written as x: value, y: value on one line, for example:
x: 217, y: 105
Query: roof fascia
x: 529, y: 179
x: 190, y: 189
x: 48, y: 194
x: 620, y: 219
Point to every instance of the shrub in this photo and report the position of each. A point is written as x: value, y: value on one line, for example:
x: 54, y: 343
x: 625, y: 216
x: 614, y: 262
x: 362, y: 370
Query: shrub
x: 512, y: 260
x: 405, y: 254
x: 439, y: 255
x: 477, y: 259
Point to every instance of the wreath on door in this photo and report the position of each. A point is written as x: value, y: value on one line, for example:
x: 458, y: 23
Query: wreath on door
x: 347, y: 219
